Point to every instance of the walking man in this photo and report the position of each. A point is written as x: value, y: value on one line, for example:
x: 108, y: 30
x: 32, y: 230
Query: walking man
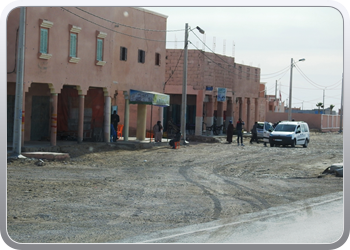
x: 239, y: 129
x: 254, y: 133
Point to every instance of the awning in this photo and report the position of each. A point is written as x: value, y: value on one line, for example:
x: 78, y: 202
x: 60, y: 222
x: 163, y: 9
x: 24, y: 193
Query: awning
x: 149, y: 97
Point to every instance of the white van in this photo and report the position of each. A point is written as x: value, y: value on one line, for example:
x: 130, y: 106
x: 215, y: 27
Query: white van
x: 290, y: 133
x: 263, y: 131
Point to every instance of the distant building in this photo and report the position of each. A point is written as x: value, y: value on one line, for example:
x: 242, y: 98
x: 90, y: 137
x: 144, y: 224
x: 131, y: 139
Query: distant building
x: 208, y: 76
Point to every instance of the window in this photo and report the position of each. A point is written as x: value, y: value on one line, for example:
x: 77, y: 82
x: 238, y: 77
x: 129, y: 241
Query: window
x: 123, y: 53
x: 157, y: 59
x: 73, y: 44
x: 141, y: 58
x: 44, y: 36
x: 44, y: 39
x: 100, y: 48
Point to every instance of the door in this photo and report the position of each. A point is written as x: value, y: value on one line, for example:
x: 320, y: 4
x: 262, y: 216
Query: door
x: 40, y: 119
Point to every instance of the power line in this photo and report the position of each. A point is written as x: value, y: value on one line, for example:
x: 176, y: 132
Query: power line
x: 142, y: 38
x: 125, y: 24
x: 312, y: 82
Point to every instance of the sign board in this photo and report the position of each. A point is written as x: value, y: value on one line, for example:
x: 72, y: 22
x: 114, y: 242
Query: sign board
x: 221, y: 94
x: 149, y: 97
x: 209, y: 88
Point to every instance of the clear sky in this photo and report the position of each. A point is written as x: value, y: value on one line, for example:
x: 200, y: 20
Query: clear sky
x: 268, y: 38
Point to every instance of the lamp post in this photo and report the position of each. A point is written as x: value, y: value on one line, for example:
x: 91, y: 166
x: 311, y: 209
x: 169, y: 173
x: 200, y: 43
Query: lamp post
x: 184, y: 86
x: 290, y: 88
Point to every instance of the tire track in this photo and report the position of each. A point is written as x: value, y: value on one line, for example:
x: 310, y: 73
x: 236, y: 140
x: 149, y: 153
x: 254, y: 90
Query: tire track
x: 217, y: 205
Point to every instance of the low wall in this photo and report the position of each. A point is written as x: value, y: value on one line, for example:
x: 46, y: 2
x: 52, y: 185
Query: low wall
x: 322, y: 123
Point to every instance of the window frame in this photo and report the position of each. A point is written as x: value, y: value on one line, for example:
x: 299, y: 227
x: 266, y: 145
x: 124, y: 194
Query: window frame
x: 73, y: 49
x: 43, y: 51
x: 123, y: 53
x: 100, y: 50
x: 141, y: 56
x: 157, y: 59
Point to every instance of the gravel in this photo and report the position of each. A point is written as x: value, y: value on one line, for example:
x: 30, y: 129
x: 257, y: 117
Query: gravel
x: 103, y: 194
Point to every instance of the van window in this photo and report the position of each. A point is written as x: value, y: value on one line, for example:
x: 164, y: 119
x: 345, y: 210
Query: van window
x: 298, y: 129
x: 305, y: 127
x: 285, y: 127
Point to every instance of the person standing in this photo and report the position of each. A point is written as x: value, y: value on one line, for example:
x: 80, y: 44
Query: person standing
x: 158, y: 132
x: 254, y: 133
x: 239, y: 129
x: 115, y: 121
x: 229, y: 132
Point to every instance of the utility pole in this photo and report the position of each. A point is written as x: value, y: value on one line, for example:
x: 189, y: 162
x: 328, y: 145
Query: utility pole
x: 17, y: 125
x: 323, y: 101
x: 276, y: 91
x: 290, y: 92
x: 341, y: 106
x: 184, y: 89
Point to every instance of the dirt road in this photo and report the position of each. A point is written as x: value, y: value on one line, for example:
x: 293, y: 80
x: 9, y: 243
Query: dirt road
x: 106, y: 195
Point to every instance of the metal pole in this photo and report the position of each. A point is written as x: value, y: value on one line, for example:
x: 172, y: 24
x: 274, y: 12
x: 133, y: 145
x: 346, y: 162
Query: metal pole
x: 341, y: 106
x: 290, y: 92
x: 184, y: 89
x: 17, y: 130
x: 323, y: 102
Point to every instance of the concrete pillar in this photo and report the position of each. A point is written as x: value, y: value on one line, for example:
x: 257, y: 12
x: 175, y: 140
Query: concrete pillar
x: 23, y: 119
x: 107, y: 120
x: 126, y: 116
x: 229, y: 112
x: 220, y: 115
x: 248, y: 126
x: 199, y: 113
x: 244, y: 112
x: 256, y: 108
x: 81, y: 119
x: 141, y: 122
x: 210, y: 114
x: 53, y: 140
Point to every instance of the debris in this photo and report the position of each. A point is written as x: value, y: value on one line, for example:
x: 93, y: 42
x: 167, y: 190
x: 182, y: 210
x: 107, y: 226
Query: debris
x: 40, y: 163
x: 336, y: 169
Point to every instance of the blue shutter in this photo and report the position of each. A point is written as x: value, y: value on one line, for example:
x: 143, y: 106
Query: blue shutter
x: 99, y: 49
x: 43, y: 40
x: 73, y: 45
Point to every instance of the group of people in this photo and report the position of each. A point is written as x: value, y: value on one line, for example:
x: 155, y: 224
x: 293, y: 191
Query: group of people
x: 239, y: 129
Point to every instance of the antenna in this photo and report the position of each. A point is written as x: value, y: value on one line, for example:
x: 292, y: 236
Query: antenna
x: 175, y: 42
x: 203, y: 44
x: 214, y: 43
x: 224, y: 48
x: 233, y: 49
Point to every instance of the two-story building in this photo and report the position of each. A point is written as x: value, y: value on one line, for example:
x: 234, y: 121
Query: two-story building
x: 79, y: 65
x: 217, y: 89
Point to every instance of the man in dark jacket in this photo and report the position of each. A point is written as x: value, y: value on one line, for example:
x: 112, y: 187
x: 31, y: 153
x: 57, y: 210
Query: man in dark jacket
x: 229, y: 132
x: 115, y: 121
x: 239, y: 129
x: 254, y: 133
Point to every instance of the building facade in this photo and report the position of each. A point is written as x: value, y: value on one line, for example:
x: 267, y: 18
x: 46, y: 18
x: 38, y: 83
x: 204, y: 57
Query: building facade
x: 79, y: 65
x: 208, y: 75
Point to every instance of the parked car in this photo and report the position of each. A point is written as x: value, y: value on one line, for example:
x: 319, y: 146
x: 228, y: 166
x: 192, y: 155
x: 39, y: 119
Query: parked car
x: 290, y: 133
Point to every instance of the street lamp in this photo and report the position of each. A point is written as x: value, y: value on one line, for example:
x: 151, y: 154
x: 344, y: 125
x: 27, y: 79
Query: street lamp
x: 290, y: 88
x: 184, y: 86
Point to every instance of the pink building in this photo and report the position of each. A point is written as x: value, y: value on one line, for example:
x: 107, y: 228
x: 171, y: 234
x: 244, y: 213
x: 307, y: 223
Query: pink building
x: 208, y: 76
x: 79, y: 65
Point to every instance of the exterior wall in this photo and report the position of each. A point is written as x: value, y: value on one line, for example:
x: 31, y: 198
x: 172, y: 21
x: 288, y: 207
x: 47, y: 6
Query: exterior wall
x: 115, y: 76
x: 208, y: 69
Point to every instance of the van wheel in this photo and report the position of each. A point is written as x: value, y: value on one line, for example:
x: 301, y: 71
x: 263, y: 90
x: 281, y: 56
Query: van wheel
x: 293, y: 143
x: 306, y: 143
x: 272, y: 145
